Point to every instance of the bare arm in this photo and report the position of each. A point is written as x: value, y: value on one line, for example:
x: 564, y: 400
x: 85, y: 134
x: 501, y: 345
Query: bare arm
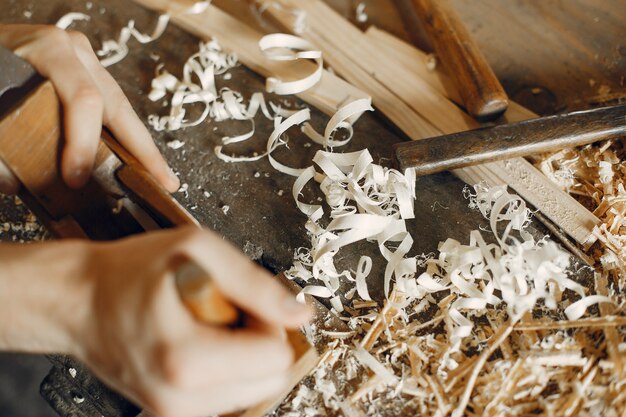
x: 115, y: 307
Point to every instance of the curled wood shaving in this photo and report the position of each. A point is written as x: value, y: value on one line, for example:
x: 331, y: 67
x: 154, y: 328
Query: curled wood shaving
x: 452, y: 361
x: 114, y: 51
x: 284, y: 47
x: 66, y: 20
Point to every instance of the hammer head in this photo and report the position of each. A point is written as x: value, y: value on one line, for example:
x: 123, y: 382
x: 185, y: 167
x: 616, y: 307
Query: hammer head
x: 15, y: 71
x: 17, y: 80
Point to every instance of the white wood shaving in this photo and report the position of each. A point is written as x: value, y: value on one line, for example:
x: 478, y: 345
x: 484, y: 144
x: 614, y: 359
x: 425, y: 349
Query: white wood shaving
x: 595, y: 175
x: 113, y: 51
x: 66, y: 21
x: 300, y: 118
x: 361, y: 16
x: 284, y: 47
x: 175, y: 144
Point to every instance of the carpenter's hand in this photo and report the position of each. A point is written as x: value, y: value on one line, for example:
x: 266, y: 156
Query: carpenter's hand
x: 143, y: 341
x: 91, y: 98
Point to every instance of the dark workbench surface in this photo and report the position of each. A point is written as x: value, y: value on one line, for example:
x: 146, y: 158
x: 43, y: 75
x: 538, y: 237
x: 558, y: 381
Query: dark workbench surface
x: 550, y: 56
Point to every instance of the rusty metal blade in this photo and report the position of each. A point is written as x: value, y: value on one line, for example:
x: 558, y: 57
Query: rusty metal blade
x: 15, y: 71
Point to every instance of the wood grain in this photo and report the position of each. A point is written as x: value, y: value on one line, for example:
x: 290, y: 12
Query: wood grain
x: 483, y: 96
x: 406, y: 55
x: 550, y: 56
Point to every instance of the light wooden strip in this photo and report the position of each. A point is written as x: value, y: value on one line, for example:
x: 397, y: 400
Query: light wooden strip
x: 401, y: 114
x: 351, y: 47
x: 415, y: 59
x: 613, y: 337
x: 606, y: 321
x: 328, y: 95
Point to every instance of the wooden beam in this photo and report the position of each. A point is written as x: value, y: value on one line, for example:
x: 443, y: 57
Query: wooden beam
x: 345, y: 46
x: 328, y: 95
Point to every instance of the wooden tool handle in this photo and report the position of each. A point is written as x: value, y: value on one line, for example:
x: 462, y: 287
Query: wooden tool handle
x: 202, y: 297
x: 546, y: 134
x: 483, y: 96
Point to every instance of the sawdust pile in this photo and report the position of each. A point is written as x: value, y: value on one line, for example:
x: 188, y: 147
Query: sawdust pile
x: 497, y: 330
x: 17, y: 223
x: 595, y: 176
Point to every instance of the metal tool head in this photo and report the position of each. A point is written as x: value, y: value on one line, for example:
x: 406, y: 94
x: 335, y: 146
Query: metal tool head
x: 15, y: 71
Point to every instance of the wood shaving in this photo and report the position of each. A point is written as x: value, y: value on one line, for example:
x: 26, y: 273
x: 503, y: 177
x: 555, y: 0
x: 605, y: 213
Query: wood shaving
x: 595, y: 175
x: 66, y: 21
x: 361, y: 16
x: 284, y: 47
x: 114, y: 51
x: 449, y: 343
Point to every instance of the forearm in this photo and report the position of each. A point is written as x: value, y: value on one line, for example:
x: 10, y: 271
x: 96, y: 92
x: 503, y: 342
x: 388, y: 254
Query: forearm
x: 44, y: 296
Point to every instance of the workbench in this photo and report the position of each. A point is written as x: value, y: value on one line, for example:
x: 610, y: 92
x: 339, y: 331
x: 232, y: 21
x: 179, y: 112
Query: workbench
x: 550, y: 56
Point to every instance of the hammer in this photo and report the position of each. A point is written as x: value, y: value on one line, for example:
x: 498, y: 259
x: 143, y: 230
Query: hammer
x: 530, y: 137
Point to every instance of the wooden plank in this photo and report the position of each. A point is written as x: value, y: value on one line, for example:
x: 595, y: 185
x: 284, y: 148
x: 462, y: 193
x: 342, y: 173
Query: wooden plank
x: 324, y: 27
x: 328, y: 95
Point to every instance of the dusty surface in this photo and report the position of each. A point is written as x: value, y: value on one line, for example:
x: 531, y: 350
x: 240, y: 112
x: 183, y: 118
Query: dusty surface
x: 549, y: 56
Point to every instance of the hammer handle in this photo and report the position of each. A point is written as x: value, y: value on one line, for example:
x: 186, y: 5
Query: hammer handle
x: 530, y: 137
x: 481, y: 92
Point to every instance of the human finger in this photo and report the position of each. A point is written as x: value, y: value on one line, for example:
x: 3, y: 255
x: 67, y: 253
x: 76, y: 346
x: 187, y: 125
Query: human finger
x: 121, y: 118
x: 215, y: 399
x: 81, y: 99
x: 219, y: 355
x: 248, y: 285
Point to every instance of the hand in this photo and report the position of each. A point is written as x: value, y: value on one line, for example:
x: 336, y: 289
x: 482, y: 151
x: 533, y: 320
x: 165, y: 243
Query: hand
x: 132, y: 329
x: 91, y: 98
